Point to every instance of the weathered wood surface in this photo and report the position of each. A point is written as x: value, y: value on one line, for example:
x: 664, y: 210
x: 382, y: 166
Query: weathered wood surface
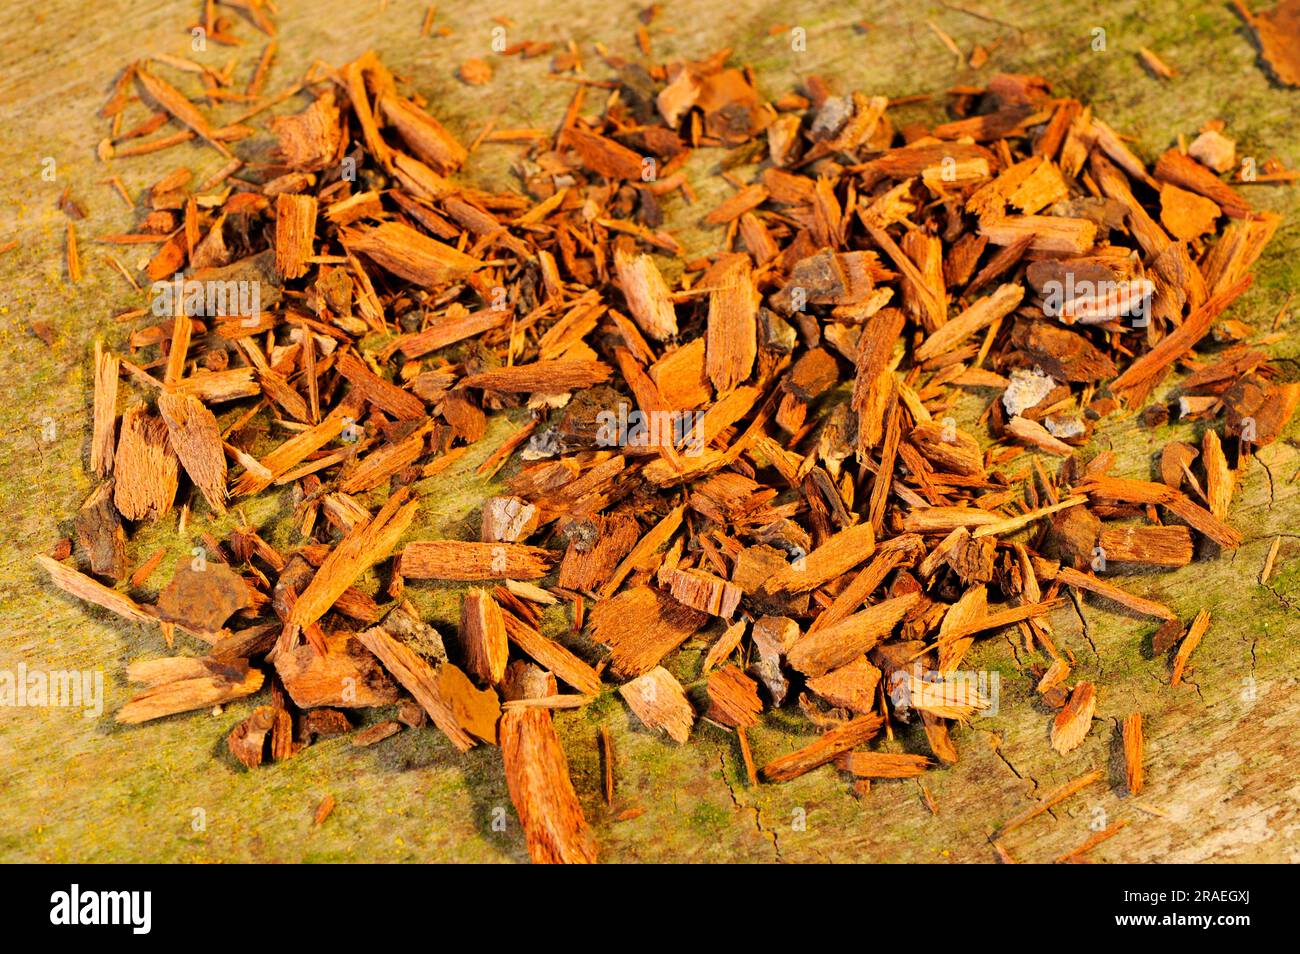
x: 1221, y: 749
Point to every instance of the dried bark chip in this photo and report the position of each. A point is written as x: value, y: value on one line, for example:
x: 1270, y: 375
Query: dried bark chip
x: 295, y: 230
x: 145, y: 466
x: 883, y: 764
x: 466, y: 560
x: 483, y: 636
x: 660, y: 702
x: 196, y: 439
x: 704, y: 592
x: 834, y: 743
x: 100, y: 534
x: 475, y: 72
x: 1195, y: 632
x: 248, y: 740
x: 1134, y: 773
x: 537, y: 774
x: 641, y: 626
x: 733, y: 698
x: 185, y: 683
x: 1185, y: 214
x: 346, y: 674
x: 732, y: 326
x: 839, y: 644
x: 851, y: 686
x: 202, y: 594
x: 647, y: 294
x: 1073, y: 722
x: 376, y: 733
x: 410, y: 254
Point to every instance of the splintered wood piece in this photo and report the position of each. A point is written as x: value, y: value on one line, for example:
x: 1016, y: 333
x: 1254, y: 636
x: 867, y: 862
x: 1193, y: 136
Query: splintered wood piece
x: 725, y: 645
x: 1047, y: 233
x: 537, y: 774
x: 851, y: 686
x: 604, y: 156
x: 293, y: 451
x: 410, y: 254
x: 1133, y: 769
x: 883, y: 764
x: 1182, y: 170
x: 839, y: 554
x: 660, y: 702
x: 733, y: 698
x: 641, y: 626
x: 1136, y: 383
x: 376, y: 468
x: 1075, y: 719
x: 103, y: 438
x: 422, y: 681
x: 552, y: 656
x: 1092, y: 841
x: 873, y: 381
x: 196, y: 438
x: 586, y: 568
x: 483, y: 636
x: 373, y: 735
x: 1274, y: 29
x: 1185, y: 214
x: 704, y: 592
x: 545, y: 377
x: 648, y: 298
x: 309, y: 139
x: 1218, y: 478
x: 295, y: 230
x: 974, y: 319
x: 1269, y: 561
x: 816, y: 754
x: 947, y: 519
x: 967, y: 611
x: 1034, y: 434
x: 366, y: 545
x: 450, y: 331
x: 424, y: 135
x: 952, y: 451
x: 371, y: 387
x: 948, y: 698
x: 172, y: 100
x: 1056, y: 674
x: 323, y: 810
x: 1146, y: 492
x: 183, y: 684
x: 833, y: 646
x: 939, y: 738
x: 645, y: 549
x: 346, y: 674
x: 146, y: 468
x: 469, y: 560
x: 731, y: 341
x: 1195, y: 632
x: 681, y: 378
x: 1147, y: 546
x: 1086, y: 581
x: 92, y: 591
